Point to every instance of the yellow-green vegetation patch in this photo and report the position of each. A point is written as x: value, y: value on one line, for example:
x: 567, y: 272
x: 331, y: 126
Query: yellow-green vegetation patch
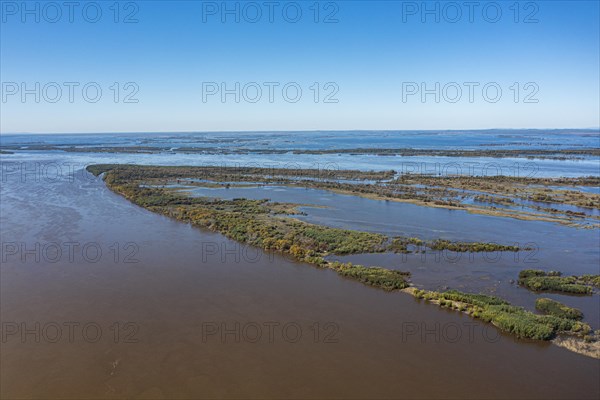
x: 374, y: 276
x: 238, y: 174
x: 558, y: 309
x: 508, y: 318
x: 474, y: 247
x: 592, y: 280
x: 401, y: 245
x: 553, y: 281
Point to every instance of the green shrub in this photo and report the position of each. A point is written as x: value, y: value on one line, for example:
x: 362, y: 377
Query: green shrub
x: 538, y: 280
x: 552, y: 307
x: 441, y: 244
x: 374, y: 276
x: 589, y: 339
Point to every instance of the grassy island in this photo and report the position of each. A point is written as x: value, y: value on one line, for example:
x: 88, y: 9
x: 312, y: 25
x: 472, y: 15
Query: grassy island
x: 542, y: 281
x: 401, y: 245
x: 474, y: 247
x: 508, y: 318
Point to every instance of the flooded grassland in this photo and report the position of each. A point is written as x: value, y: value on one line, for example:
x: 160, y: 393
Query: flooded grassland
x: 269, y: 226
x: 147, y: 282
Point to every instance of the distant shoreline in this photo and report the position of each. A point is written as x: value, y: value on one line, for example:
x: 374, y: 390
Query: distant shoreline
x: 283, y: 131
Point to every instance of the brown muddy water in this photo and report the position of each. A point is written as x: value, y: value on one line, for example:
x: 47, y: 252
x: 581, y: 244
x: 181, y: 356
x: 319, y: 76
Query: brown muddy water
x: 177, y: 312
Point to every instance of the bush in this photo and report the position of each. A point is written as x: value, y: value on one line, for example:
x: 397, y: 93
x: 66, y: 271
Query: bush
x: 552, y: 307
x: 374, y: 276
x: 589, y: 339
x: 538, y: 280
x: 442, y: 244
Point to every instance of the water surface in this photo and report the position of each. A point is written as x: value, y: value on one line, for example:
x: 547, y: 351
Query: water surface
x: 181, y: 283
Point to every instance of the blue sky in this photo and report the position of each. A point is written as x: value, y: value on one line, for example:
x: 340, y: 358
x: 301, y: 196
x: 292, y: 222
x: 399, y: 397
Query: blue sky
x: 369, y: 60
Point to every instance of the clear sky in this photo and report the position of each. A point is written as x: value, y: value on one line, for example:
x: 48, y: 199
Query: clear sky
x: 358, y: 64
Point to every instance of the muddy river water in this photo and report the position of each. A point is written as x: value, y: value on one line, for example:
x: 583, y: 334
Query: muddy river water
x: 103, y: 299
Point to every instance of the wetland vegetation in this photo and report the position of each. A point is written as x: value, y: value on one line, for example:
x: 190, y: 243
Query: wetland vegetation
x: 553, y: 281
x: 507, y: 317
x: 558, y: 309
x: 260, y: 223
x: 273, y: 227
x: 543, y: 199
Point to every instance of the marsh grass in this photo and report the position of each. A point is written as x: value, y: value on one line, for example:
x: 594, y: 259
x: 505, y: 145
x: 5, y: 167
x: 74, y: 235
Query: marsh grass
x: 508, y: 318
x: 541, y: 281
x: 558, y: 309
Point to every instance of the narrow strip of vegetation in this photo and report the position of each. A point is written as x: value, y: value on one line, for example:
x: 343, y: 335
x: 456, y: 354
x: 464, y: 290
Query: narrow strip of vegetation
x: 473, y: 247
x: 401, y: 245
x: 508, y: 318
x: 555, y: 154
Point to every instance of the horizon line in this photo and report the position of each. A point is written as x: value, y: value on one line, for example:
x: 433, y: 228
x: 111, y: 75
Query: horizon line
x: 299, y: 130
